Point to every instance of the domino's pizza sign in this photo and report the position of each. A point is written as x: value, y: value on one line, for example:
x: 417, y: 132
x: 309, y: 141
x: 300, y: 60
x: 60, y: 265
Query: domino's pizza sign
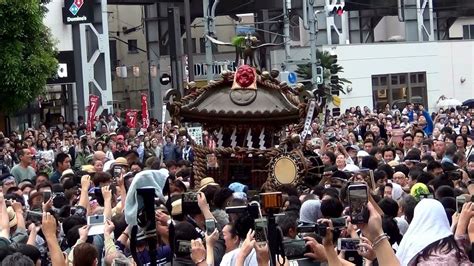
x: 78, y: 11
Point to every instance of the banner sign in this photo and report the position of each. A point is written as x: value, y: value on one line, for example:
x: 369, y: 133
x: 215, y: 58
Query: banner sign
x: 131, y: 118
x: 145, y: 117
x: 93, y: 106
x: 308, y: 120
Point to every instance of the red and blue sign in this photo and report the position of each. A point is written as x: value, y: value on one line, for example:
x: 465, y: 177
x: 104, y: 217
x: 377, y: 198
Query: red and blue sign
x: 76, y: 6
x: 78, y: 11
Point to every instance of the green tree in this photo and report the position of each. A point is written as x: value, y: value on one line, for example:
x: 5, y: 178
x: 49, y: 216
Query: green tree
x: 328, y: 64
x: 27, y: 53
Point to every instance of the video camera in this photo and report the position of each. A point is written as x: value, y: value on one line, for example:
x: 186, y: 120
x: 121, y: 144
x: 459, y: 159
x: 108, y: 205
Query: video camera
x: 253, y: 210
x: 320, y: 228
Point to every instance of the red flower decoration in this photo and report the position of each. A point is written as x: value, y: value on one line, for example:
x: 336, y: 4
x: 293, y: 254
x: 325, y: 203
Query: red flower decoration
x: 245, y: 76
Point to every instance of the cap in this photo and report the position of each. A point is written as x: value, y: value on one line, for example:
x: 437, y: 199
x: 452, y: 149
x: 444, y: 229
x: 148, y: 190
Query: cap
x: 140, y: 134
x: 120, y: 137
x: 404, y: 117
x: 353, y: 147
x: 112, y: 134
x: 362, y: 154
x: 66, y: 173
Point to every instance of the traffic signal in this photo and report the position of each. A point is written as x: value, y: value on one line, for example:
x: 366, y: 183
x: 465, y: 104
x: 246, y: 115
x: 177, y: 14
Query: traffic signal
x: 337, y: 7
x: 334, y: 85
x: 333, y: 61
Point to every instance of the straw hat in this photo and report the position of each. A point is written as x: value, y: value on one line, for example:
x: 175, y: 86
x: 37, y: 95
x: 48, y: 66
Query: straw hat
x: 176, y: 207
x: 88, y: 168
x: 121, y: 161
x: 11, y: 217
x: 208, y: 181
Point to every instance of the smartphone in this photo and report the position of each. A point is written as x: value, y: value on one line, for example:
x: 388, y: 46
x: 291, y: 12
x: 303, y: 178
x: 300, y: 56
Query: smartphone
x: 96, y: 224
x: 358, y: 199
x: 99, y: 197
x: 117, y: 172
x: 210, y: 226
x: 460, y: 200
x: 294, y: 249
x: 348, y: 244
x: 74, y: 211
x: 261, y: 231
x: 121, y: 262
x: 46, y: 196
x: 95, y: 220
x: 190, y: 203
x: 34, y: 217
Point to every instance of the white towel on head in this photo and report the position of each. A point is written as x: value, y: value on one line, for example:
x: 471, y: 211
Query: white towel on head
x: 146, y: 179
x: 429, y: 225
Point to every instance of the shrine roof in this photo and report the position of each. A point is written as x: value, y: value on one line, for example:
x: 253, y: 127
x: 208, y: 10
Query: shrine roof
x: 219, y: 103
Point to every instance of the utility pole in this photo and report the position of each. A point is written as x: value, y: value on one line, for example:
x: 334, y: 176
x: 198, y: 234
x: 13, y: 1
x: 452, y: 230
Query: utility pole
x: 176, y: 52
x: 286, y: 30
x: 312, y: 38
x: 209, y: 16
x: 189, y: 39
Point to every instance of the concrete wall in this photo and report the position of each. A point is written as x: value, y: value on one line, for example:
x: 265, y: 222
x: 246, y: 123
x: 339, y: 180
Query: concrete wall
x: 127, y: 90
x: 444, y: 63
x: 61, y: 32
x: 389, y: 27
x: 225, y: 30
x: 456, y: 30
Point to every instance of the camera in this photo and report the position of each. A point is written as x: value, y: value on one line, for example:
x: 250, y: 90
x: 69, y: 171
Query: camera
x: 184, y: 247
x: 252, y: 210
x: 320, y: 228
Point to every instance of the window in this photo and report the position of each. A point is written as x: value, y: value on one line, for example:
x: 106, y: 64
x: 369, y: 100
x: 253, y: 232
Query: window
x: 202, y: 46
x: 185, y: 45
x: 113, y: 54
x: 132, y: 46
x: 468, y: 32
x: 403, y: 88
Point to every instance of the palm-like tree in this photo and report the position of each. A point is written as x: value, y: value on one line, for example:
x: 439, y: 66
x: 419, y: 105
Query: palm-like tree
x: 330, y: 68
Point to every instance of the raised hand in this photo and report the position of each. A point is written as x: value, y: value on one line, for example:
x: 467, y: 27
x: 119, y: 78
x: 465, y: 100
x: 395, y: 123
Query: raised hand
x: 48, y: 226
x: 317, y: 249
x: 198, y: 251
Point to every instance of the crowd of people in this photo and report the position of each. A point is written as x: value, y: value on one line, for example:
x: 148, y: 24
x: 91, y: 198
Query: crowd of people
x: 73, y: 197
